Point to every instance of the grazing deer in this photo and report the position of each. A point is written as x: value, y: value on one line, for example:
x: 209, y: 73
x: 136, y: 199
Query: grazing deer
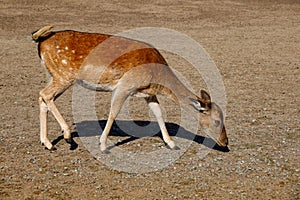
x: 122, y: 66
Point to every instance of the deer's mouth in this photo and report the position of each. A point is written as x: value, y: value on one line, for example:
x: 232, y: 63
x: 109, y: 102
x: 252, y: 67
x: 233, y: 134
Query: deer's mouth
x: 222, y: 143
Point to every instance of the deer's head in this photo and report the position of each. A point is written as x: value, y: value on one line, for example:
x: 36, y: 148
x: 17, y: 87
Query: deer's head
x: 211, y: 118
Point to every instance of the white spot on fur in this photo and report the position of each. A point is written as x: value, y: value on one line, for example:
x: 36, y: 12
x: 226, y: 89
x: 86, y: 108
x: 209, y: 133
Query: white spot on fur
x: 66, y: 48
x: 57, y: 47
x: 62, y: 80
x: 73, y: 51
x: 64, y: 62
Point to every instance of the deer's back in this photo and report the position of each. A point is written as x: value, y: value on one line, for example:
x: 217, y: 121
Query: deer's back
x: 103, y: 57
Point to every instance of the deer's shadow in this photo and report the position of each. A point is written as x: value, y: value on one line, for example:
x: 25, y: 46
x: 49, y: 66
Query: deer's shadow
x: 121, y: 128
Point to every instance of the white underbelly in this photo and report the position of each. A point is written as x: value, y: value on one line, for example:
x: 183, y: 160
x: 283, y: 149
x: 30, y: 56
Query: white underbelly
x: 108, y: 88
x: 98, y: 87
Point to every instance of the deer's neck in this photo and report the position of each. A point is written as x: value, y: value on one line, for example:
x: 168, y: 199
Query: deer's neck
x: 174, y: 88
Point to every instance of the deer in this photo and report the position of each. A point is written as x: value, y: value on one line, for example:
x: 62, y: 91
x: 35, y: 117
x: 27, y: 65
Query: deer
x: 122, y: 66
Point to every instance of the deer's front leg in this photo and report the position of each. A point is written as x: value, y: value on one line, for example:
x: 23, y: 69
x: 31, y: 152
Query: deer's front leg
x: 155, y: 107
x: 118, y: 98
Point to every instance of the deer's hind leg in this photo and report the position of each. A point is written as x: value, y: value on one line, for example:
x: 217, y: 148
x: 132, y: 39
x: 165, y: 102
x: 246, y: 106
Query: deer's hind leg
x: 46, y: 102
x: 44, y: 124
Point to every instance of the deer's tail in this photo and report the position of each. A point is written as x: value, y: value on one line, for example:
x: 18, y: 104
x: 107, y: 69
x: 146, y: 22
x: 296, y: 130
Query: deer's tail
x: 40, y: 33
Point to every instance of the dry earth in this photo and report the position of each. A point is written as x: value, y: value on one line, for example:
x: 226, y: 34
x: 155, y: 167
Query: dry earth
x: 255, y: 45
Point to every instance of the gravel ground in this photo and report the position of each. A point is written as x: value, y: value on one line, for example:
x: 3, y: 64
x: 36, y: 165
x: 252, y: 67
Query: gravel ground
x: 255, y: 45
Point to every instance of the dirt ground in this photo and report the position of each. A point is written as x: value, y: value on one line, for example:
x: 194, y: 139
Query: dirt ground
x: 256, y: 47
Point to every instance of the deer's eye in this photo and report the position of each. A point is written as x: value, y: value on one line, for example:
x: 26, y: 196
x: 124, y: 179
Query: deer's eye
x: 217, y: 122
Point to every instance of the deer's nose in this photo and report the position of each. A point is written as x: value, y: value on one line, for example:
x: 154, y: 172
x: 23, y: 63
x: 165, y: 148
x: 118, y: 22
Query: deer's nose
x: 223, y: 142
x: 226, y: 141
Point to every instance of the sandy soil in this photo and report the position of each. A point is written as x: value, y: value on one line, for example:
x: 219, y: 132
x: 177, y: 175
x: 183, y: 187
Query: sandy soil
x: 255, y: 45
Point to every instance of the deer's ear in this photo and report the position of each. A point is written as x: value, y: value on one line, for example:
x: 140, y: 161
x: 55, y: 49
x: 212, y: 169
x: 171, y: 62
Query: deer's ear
x: 198, y: 105
x: 205, y: 95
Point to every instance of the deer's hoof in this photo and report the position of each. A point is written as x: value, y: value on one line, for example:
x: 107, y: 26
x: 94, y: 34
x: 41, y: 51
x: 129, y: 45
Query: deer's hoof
x: 53, y: 148
x: 106, y: 151
x: 69, y: 140
x: 103, y: 148
x: 173, y: 148
x: 171, y: 145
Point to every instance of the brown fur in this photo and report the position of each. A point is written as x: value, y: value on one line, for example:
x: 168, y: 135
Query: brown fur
x: 124, y: 66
